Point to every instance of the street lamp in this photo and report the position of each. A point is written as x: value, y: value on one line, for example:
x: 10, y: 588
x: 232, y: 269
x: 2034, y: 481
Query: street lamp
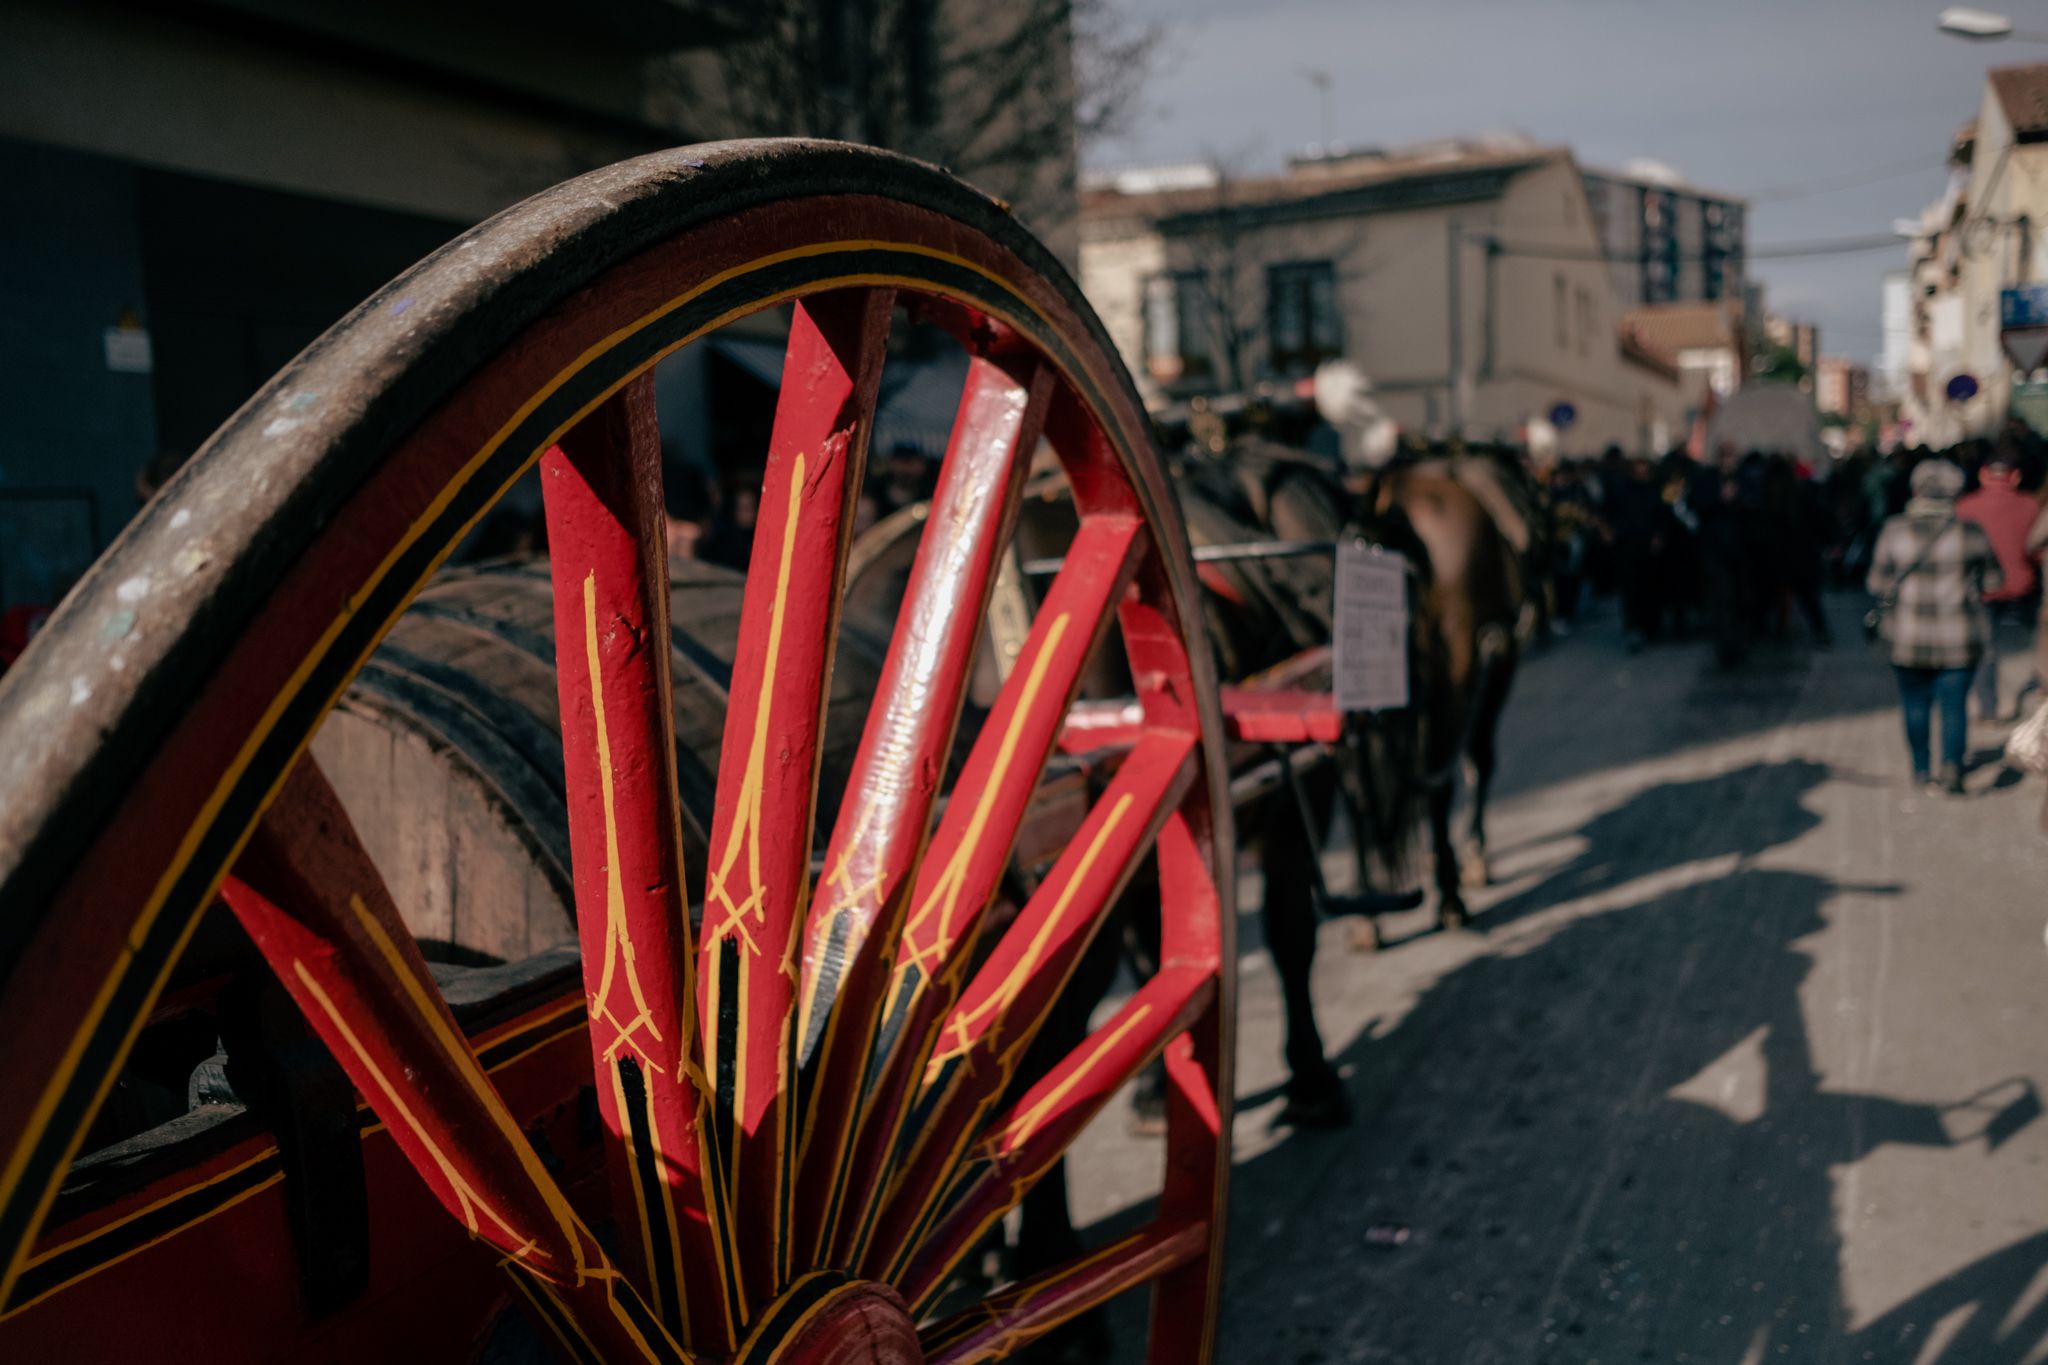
x: 1983, y: 26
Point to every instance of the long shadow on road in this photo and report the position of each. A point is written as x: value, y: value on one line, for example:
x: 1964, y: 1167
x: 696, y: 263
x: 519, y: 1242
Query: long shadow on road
x: 1587, y: 705
x: 1609, y: 1138
x: 1740, y: 812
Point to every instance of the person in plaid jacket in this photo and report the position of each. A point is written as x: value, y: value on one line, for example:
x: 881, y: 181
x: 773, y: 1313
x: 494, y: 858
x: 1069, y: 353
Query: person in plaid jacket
x: 1930, y: 571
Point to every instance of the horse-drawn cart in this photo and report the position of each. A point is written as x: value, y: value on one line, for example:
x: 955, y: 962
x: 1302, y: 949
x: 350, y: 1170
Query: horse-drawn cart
x: 772, y: 1100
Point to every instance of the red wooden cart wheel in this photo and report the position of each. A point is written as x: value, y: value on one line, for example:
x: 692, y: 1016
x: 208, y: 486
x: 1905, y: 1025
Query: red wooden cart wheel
x: 806, y: 1108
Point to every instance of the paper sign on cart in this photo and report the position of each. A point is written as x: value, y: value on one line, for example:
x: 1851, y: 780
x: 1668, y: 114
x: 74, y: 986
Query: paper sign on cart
x: 1371, y: 634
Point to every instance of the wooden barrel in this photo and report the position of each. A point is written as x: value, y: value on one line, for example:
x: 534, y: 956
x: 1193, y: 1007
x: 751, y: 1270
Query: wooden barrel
x: 447, y: 749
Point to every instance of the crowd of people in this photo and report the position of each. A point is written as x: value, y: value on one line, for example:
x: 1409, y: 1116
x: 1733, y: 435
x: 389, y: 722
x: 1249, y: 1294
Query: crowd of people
x: 1740, y: 547
x: 1736, y: 548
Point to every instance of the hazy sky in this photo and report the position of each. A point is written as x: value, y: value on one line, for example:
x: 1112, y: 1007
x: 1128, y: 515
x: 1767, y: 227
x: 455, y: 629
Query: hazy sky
x: 1817, y: 110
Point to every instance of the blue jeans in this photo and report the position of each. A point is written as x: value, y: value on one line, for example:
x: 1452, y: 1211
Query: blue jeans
x: 1920, y: 690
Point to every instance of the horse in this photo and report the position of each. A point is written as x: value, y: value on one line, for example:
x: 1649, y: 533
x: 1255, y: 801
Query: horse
x: 1471, y: 607
x: 1465, y: 525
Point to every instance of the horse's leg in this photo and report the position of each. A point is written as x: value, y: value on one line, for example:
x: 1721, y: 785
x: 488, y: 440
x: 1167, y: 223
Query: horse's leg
x: 1354, y: 789
x: 1474, y: 872
x: 1315, y: 1095
x: 1450, y: 903
x: 1484, y: 754
x: 1045, y: 1225
x: 1140, y: 939
x: 1046, y: 1238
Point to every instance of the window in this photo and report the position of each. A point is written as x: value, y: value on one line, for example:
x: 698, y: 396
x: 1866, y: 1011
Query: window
x: 1177, y: 329
x: 1721, y: 251
x: 1582, y: 298
x: 1302, y: 326
x: 1560, y: 323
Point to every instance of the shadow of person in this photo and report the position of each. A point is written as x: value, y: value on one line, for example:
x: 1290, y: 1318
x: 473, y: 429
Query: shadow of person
x: 1992, y: 1312
x: 1556, y: 694
x: 1611, y: 1143
x: 1740, y: 812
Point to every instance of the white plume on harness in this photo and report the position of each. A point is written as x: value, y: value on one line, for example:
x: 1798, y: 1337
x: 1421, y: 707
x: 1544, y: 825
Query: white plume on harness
x: 1343, y: 397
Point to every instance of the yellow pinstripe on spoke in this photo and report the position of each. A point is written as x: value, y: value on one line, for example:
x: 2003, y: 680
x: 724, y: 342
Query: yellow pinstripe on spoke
x: 847, y: 896
x: 994, y: 1009
x: 618, y: 939
x: 944, y: 899
x: 1025, y: 1124
x: 745, y: 834
x: 465, y: 1195
x: 457, y: 1050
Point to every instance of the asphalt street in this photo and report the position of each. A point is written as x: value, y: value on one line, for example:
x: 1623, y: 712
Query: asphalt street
x: 1737, y: 1062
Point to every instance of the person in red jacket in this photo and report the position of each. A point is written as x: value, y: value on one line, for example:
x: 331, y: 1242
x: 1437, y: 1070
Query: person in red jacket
x: 2005, y: 513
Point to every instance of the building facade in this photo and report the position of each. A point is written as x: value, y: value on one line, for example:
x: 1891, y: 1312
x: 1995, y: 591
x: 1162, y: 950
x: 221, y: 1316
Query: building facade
x: 1466, y: 281
x: 1797, y: 341
x: 1708, y: 342
x: 1841, y: 389
x: 1983, y: 236
x: 1666, y: 241
x: 1895, y: 313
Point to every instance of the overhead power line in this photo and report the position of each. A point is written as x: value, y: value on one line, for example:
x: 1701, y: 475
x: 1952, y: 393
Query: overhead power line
x: 1778, y: 251
x: 1845, y: 180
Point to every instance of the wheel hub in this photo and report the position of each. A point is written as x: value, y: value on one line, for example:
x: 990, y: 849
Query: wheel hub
x: 829, y: 1318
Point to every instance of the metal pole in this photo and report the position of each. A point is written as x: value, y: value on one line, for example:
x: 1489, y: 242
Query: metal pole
x: 1486, y: 358
x: 1214, y: 554
x: 1321, y: 81
x: 1456, y: 249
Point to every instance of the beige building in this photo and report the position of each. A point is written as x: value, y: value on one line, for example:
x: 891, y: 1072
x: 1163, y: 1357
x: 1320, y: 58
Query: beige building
x: 1934, y: 342
x: 1467, y: 280
x: 1706, y: 341
x: 2003, y: 243
x: 1985, y: 235
x: 1841, y: 388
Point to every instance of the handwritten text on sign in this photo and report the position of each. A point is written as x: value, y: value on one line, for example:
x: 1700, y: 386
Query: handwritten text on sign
x: 1371, y: 633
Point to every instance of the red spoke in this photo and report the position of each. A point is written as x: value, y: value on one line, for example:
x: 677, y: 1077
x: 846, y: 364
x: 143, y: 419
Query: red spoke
x: 312, y: 901
x: 767, y: 777
x: 964, y: 865
x: 1023, y: 1144
x: 986, y: 1035
x: 871, y: 862
x: 1198, y: 1081
x: 602, y: 487
x: 995, y: 1328
x: 1095, y: 471
x: 1097, y: 726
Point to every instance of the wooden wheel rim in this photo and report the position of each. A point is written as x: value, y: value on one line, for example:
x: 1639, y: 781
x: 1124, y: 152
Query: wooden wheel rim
x: 179, y: 684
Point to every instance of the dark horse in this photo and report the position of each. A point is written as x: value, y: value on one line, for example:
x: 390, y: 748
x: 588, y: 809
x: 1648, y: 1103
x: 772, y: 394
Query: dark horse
x: 1457, y: 520
x: 1464, y: 644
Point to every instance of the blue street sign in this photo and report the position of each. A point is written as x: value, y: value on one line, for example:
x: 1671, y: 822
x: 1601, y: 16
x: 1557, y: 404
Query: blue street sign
x: 1962, y: 388
x: 1563, y: 415
x: 2023, y: 306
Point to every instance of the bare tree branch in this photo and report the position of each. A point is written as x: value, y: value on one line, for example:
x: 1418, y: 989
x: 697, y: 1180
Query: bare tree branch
x: 1003, y: 92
